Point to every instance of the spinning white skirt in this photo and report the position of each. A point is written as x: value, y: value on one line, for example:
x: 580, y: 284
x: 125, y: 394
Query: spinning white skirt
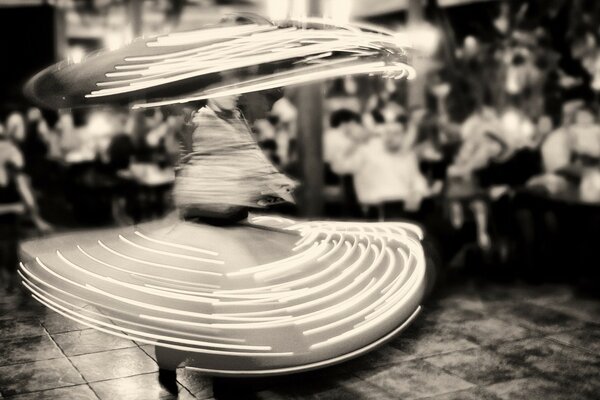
x: 269, y: 297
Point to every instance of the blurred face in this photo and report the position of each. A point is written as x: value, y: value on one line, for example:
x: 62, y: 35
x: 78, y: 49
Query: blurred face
x: 488, y: 112
x: 545, y: 125
x: 34, y: 114
x: 15, y: 127
x: 584, y: 117
x: 356, y: 131
x: 227, y: 103
x: 393, y: 138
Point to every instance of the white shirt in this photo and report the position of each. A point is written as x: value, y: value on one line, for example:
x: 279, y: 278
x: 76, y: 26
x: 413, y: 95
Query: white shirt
x: 586, y: 139
x: 382, y: 176
x: 335, y: 145
x: 516, y: 129
x: 556, y: 151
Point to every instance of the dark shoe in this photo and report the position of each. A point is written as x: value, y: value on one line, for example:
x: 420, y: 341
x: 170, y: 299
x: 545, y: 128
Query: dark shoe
x: 168, y: 380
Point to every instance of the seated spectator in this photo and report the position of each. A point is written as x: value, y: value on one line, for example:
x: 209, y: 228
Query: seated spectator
x: 120, y: 152
x: 170, y: 143
x: 15, y: 128
x: 35, y: 146
x: 286, y: 127
x: 589, y: 189
x: 382, y: 172
x: 482, y: 142
x: 264, y: 129
x: 584, y: 136
x: 66, y: 133
x: 338, y: 140
x: 516, y: 129
x: 556, y: 150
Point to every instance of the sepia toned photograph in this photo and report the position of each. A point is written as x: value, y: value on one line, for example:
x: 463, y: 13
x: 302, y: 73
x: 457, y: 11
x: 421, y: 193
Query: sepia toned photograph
x: 300, y: 199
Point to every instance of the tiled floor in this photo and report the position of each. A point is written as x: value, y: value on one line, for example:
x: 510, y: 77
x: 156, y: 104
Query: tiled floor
x: 477, y: 341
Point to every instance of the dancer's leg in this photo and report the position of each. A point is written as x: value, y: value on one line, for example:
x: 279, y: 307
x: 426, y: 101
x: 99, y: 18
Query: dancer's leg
x: 168, y: 360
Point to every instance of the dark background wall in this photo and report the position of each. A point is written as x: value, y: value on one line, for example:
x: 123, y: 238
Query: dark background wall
x: 26, y: 46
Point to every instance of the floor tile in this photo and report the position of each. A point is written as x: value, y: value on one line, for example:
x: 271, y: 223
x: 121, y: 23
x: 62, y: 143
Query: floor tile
x: 555, y: 362
x: 538, y: 389
x: 480, y: 366
x: 518, y: 292
x: 385, y: 355
x: 546, y: 293
x: 585, y: 309
x: 199, y: 385
x: 139, y: 387
x: 20, y: 327
x: 451, y: 311
x: 515, y: 341
x: 80, y: 392
x: 540, y: 318
x: 302, y: 385
x: 425, y: 339
x: 89, y: 341
x: 38, y: 375
x: 19, y: 303
x: 476, y: 393
x: 114, y: 364
x: 56, y: 323
x: 414, y: 380
x: 27, y: 349
x: 490, y: 330
x: 8, y: 313
x: 353, y: 388
x: 360, y: 389
x: 150, y: 350
x: 587, y: 339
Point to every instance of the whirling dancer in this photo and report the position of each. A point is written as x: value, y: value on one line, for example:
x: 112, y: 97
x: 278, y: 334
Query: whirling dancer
x: 226, y: 173
x: 272, y: 296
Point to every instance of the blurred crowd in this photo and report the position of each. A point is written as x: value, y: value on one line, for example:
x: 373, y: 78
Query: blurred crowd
x: 504, y: 152
x: 83, y: 168
x: 501, y: 159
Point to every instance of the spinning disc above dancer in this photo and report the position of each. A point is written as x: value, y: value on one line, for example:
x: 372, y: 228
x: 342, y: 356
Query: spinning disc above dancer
x: 270, y: 297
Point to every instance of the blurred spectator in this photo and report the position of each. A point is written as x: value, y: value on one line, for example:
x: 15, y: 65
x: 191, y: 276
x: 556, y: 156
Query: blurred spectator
x: 16, y: 198
x: 481, y: 142
x: 66, y: 138
x: 139, y: 125
x: 120, y: 152
x: 383, y: 171
x: 265, y: 129
x: 35, y: 146
x: 15, y: 127
x: 339, y: 99
x: 286, y: 128
x: 338, y: 140
x: 589, y: 190
x: 517, y: 130
x: 170, y: 143
x: 556, y: 148
x: 585, y: 138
